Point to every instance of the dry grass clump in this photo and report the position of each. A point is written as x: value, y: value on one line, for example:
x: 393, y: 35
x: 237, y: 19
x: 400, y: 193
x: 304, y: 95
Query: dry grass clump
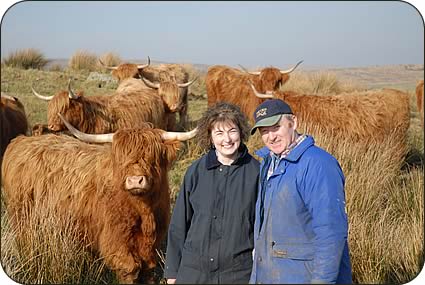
x: 45, y: 249
x: 322, y: 83
x: 109, y: 59
x: 83, y: 60
x: 26, y: 59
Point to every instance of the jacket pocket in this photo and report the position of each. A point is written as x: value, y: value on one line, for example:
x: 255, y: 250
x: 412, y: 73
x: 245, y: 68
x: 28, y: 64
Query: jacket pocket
x: 300, y: 251
x: 294, y: 262
x: 296, y: 259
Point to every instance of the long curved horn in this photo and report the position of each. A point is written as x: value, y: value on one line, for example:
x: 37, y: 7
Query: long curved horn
x: 107, y: 67
x: 182, y: 85
x: 71, y: 93
x: 149, y: 83
x: 104, y: 138
x: 141, y: 66
x: 8, y: 97
x: 179, y: 136
x: 260, y: 95
x: 292, y: 69
x: 250, y: 72
x: 45, y: 98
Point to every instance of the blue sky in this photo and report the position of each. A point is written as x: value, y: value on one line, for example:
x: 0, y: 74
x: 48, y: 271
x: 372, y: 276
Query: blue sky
x: 332, y: 34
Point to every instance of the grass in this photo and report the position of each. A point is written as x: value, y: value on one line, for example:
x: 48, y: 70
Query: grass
x: 83, y: 60
x: 385, y: 202
x: 26, y: 59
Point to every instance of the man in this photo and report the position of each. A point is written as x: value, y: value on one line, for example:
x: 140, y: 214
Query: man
x: 300, y: 231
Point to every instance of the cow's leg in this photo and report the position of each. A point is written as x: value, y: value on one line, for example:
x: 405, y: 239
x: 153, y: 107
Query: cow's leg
x: 171, y: 122
x: 183, y: 112
x: 119, y: 258
x: 183, y: 117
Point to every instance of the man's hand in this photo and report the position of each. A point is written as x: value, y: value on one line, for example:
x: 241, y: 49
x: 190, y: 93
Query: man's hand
x: 171, y: 281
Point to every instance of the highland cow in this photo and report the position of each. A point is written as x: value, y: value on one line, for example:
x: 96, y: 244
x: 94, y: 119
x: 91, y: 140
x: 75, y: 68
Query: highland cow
x: 159, y: 73
x: 360, y: 116
x: 117, y: 194
x: 226, y: 84
x: 107, y: 113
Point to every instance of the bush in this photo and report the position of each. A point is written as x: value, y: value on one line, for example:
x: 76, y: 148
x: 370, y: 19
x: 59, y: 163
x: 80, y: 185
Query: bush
x: 109, y: 59
x: 83, y: 60
x: 26, y: 59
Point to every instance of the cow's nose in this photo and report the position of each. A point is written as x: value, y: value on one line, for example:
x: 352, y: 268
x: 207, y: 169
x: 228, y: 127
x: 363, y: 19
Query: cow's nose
x: 132, y: 182
x: 174, y: 108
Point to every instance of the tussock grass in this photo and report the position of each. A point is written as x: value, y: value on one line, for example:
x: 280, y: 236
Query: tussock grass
x: 83, y: 60
x: 26, y: 59
x: 321, y: 82
x: 109, y: 59
x: 46, y: 249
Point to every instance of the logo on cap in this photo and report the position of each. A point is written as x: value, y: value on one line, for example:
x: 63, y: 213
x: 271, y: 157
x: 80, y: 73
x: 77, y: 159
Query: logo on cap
x: 261, y: 112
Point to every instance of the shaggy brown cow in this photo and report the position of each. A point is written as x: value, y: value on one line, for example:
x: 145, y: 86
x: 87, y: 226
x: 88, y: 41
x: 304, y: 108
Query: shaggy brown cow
x: 104, y: 114
x: 13, y: 120
x: 420, y: 100
x: 172, y: 92
x: 117, y: 195
x: 126, y: 70
x: 172, y: 73
x: 358, y: 115
x: 159, y: 73
x: 231, y: 85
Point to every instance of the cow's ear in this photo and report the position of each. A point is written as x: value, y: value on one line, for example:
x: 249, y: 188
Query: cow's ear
x: 170, y: 150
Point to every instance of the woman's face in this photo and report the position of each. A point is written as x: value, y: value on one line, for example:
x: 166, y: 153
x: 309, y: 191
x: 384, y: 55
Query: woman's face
x: 226, y: 138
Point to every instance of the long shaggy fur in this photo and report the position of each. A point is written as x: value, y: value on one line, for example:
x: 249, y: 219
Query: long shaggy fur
x: 13, y: 121
x: 168, y: 91
x: 108, y: 113
x: 227, y: 84
x: 86, y: 183
x: 159, y: 73
x: 358, y: 115
x: 131, y: 85
x: 172, y: 73
x: 125, y: 70
x: 420, y: 100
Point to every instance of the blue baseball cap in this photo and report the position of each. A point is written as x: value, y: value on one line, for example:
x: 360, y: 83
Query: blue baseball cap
x: 269, y: 113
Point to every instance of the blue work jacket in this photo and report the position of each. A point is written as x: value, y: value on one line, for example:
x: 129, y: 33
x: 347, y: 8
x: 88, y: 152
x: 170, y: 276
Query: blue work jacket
x: 303, y: 235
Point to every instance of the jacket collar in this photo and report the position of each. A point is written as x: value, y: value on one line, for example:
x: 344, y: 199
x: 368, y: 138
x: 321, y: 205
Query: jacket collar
x: 294, y: 155
x: 212, y: 160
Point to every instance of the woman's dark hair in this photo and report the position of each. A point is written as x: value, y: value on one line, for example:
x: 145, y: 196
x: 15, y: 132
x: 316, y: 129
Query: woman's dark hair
x: 221, y: 112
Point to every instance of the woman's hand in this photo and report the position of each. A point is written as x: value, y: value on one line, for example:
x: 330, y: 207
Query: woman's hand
x: 171, y: 281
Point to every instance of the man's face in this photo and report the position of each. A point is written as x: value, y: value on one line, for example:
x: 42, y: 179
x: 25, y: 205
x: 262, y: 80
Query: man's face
x: 279, y: 136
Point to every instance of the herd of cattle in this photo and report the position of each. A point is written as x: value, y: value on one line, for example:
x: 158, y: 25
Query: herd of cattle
x: 117, y: 191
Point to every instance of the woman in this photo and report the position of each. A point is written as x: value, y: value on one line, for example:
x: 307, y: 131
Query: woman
x: 210, y: 238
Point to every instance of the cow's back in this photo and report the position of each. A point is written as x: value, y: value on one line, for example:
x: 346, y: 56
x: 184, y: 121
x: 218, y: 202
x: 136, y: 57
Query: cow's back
x: 131, y: 85
x: 232, y: 86
x: 13, y: 121
x: 165, y: 72
x: 358, y: 115
x: 132, y: 109
x: 42, y: 170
